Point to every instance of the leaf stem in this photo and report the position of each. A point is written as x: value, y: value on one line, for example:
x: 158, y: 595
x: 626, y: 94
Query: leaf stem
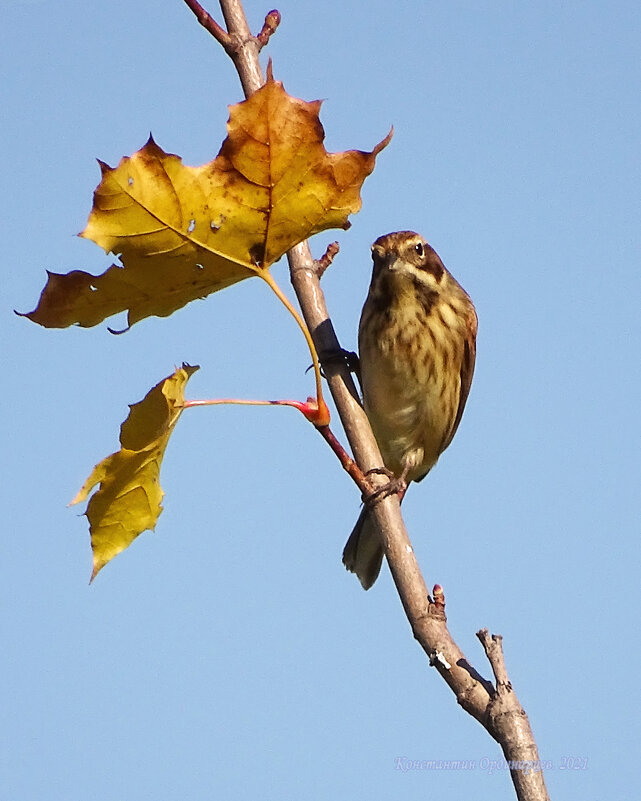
x: 349, y: 465
x: 235, y: 401
x: 271, y: 282
x: 310, y: 409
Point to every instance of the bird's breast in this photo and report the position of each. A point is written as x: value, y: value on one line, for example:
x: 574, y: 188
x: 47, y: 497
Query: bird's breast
x: 410, y: 407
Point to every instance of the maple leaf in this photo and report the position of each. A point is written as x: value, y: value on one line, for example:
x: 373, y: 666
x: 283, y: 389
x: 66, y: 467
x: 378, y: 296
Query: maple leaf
x: 128, y: 500
x: 184, y: 232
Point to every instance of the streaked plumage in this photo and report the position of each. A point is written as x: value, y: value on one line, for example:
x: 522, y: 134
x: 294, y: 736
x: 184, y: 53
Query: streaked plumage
x: 417, y: 347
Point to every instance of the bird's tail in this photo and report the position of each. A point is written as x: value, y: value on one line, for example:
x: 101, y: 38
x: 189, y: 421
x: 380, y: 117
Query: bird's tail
x: 363, y: 553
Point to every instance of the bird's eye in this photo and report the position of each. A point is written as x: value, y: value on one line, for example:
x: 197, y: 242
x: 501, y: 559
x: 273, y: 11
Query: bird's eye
x: 418, y: 247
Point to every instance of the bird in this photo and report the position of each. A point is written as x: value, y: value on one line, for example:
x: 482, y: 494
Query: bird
x: 417, y: 351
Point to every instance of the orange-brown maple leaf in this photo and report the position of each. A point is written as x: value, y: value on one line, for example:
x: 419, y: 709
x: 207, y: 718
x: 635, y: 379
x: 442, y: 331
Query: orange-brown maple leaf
x: 184, y: 232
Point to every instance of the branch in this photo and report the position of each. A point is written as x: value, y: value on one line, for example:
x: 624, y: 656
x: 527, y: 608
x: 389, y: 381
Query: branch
x: 272, y: 21
x: 326, y: 259
x: 237, y: 40
x: 497, y: 709
x: 508, y: 723
x: 209, y: 23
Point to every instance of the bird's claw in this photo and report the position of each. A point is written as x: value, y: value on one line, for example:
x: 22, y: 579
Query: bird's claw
x: 340, y: 356
x: 396, y: 485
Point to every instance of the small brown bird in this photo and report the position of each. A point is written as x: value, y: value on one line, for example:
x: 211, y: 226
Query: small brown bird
x: 417, y: 347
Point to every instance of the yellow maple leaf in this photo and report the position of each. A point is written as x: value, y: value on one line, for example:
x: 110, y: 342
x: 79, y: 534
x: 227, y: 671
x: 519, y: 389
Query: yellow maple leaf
x: 128, y: 500
x: 184, y: 232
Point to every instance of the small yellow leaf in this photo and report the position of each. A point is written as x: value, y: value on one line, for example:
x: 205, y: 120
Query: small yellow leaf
x: 184, y: 232
x: 128, y: 501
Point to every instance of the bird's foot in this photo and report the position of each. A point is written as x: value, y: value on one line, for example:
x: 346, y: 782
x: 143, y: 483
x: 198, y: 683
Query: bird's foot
x: 396, y: 485
x: 339, y: 356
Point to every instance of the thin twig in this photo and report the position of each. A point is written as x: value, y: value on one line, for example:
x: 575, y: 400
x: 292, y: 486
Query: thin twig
x: 209, y: 23
x: 326, y: 259
x: 508, y: 723
x: 237, y: 40
x: 493, y: 647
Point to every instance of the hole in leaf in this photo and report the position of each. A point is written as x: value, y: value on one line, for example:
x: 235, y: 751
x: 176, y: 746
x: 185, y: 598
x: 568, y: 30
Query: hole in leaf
x: 191, y: 226
x: 199, y: 267
x: 93, y: 288
x: 216, y: 225
x: 130, y: 181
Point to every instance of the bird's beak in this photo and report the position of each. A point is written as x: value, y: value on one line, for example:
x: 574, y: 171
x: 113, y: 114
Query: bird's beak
x: 384, y: 258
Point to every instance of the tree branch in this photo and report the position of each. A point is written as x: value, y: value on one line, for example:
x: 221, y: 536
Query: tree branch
x: 508, y: 723
x: 496, y: 708
x: 209, y: 23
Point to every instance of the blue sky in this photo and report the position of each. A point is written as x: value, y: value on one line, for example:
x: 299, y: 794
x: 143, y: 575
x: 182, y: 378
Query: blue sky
x: 228, y: 654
